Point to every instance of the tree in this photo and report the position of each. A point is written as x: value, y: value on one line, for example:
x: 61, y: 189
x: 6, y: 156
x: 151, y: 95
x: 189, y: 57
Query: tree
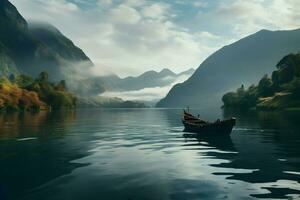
x: 275, y: 79
x: 241, y: 91
x: 59, y: 99
x: 61, y: 86
x: 12, y: 78
x: 230, y: 99
x: 265, y: 86
x: 43, y: 76
x: 286, y: 74
x: 23, y: 80
x: 293, y: 87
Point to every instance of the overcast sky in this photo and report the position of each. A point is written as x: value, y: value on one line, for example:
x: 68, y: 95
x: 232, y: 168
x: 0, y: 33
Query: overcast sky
x: 131, y: 36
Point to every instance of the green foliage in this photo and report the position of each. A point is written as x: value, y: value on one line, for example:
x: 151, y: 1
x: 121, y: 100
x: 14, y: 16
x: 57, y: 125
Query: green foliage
x: 288, y: 68
x: 265, y: 87
x: 282, y: 90
x: 22, y: 80
x: 43, y: 76
x: 59, y: 99
x: 241, y: 98
x: 3, y: 80
x: 54, y: 95
x: 293, y: 87
x: 276, y: 80
x: 24, y: 93
x: 13, y: 98
x: 61, y: 86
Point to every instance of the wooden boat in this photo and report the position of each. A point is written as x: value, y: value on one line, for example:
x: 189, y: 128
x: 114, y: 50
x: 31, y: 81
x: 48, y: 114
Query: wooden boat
x: 196, y: 125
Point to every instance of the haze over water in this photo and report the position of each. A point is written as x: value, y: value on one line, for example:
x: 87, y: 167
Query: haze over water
x: 141, y: 154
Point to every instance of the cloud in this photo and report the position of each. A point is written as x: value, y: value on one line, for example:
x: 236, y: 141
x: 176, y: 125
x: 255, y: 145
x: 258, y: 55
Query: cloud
x: 124, y: 14
x: 128, y: 37
x: 241, y: 18
x: 135, y: 3
x: 200, y: 4
x: 132, y: 36
x: 146, y: 94
x: 104, y: 2
x: 156, y: 11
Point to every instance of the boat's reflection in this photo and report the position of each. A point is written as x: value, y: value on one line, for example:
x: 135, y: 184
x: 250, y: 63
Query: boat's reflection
x: 261, y: 151
x: 222, y: 142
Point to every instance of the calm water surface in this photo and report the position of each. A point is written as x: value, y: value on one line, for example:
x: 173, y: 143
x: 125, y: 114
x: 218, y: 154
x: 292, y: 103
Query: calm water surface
x: 141, y: 154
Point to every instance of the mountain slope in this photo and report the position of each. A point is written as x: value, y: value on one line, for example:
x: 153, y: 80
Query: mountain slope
x: 36, y: 48
x: 57, y: 42
x: 242, y: 62
x: 7, y: 65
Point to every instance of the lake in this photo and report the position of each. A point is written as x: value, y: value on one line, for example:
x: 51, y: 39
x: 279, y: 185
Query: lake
x: 141, y: 154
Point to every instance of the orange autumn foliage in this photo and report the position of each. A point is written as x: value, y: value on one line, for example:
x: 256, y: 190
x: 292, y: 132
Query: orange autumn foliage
x: 13, y: 97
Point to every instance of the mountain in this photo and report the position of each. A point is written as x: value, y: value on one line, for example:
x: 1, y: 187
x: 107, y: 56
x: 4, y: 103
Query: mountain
x: 151, y: 79
x: 187, y: 72
x: 57, y: 42
x: 34, y: 47
x: 148, y: 79
x: 243, y: 62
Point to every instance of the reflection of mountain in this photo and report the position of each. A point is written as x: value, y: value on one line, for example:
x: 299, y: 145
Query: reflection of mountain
x: 242, y: 62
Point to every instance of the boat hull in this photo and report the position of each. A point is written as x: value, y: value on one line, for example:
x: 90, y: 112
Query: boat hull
x: 221, y: 128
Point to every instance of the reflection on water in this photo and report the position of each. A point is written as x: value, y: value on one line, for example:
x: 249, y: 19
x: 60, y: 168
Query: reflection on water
x: 143, y: 154
x: 18, y: 125
x: 268, y: 142
x: 223, y: 142
x: 31, y: 152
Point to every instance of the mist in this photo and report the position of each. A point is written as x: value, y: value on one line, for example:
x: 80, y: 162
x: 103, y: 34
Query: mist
x: 152, y: 94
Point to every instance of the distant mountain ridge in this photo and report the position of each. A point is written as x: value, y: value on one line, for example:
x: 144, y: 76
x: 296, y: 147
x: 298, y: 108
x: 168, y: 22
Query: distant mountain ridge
x: 148, y: 79
x: 243, y: 62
